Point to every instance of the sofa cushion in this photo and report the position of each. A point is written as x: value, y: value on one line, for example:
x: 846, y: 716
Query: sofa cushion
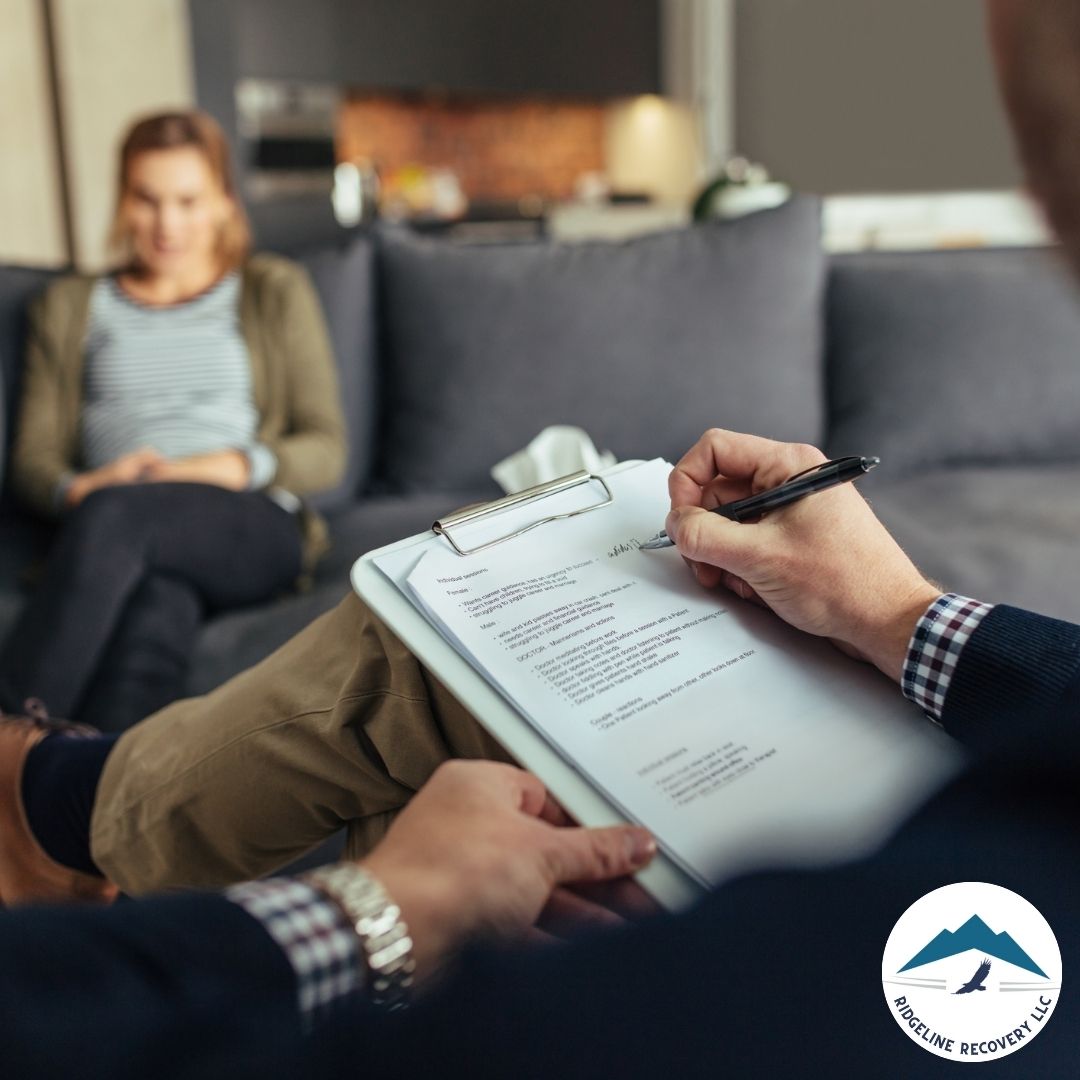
x: 22, y: 541
x: 1000, y: 533
x: 383, y: 519
x: 18, y: 286
x: 953, y: 357
x: 643, y: 343
x: 236, y: 640
x: 345, y: 282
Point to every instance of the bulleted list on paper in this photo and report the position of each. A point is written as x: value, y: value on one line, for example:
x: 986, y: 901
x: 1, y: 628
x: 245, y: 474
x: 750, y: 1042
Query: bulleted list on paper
x: 704, y: 718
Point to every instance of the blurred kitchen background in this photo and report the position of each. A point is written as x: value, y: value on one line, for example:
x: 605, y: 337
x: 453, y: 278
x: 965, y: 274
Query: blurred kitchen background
x: 506, y: 119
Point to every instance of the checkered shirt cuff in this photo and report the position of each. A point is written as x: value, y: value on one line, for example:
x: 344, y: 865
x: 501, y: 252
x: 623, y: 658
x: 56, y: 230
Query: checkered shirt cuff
x: 940, y: 636
x: 316, y: 937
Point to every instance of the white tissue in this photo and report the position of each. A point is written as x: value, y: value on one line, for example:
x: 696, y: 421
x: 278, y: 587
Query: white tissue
x: 555, y: 452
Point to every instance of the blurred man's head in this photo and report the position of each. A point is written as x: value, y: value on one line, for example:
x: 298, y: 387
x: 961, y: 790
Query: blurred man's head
x: 1036, y: 46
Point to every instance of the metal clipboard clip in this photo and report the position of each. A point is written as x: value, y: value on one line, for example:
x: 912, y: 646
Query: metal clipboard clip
x: 476, y: 511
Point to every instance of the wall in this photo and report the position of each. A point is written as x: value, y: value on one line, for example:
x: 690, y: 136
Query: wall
x: 870, y: 95
x: 698, y: 72
x: 652, y: 146
x: 31, y: 225
x: 118, y: 59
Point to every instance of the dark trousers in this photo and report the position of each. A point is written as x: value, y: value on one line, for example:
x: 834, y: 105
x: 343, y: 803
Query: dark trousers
x: 107, y: 637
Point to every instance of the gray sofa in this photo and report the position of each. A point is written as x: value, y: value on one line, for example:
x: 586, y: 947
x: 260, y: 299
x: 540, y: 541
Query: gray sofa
x: 960, y: 369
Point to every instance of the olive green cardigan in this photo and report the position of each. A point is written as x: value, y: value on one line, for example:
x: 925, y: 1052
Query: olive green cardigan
x: 294, y: 384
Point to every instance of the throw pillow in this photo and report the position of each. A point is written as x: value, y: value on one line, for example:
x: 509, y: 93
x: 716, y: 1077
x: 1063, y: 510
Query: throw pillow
x: 643, y: 343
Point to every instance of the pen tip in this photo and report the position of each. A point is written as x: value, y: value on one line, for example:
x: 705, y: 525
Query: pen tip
x: 660, y: 540
x: 870, y: 463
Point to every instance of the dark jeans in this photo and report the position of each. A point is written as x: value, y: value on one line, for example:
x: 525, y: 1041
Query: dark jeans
x: 107, y: 637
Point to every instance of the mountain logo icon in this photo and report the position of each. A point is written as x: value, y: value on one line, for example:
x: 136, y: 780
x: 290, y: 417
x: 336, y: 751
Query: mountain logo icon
x: 974, y: 934
x: 971, y: 972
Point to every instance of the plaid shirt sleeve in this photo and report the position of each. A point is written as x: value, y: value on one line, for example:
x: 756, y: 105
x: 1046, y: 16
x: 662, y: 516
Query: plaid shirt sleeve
x: 935, y: 647
x: 315, y: 936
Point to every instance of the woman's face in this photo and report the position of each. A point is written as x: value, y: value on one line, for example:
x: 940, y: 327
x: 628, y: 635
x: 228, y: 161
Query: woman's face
x: 173, y: 209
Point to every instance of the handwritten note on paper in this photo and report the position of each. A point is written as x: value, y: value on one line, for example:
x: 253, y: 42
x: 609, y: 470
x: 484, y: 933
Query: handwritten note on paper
x: 734, y: 738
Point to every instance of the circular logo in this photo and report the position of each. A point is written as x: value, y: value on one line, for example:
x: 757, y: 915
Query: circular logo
x: 971, y: 972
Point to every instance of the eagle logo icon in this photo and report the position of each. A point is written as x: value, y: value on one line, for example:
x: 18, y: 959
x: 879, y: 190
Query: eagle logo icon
x: 976, y: 980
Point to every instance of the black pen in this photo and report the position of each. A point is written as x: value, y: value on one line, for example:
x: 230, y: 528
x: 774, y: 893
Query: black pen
x: 826, y: 475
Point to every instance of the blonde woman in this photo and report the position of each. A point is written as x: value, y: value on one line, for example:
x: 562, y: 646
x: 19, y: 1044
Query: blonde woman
x: 172, y: 415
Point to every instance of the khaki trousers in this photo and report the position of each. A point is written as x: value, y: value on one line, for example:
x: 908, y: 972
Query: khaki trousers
x: 338, y: 728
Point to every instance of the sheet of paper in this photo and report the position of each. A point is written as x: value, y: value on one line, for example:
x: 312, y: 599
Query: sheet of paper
x: 735, y: 739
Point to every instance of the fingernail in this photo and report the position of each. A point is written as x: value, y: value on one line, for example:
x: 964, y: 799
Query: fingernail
x: 640, y: 847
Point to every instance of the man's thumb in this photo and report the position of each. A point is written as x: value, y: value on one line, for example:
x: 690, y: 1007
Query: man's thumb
x: 707, y: 537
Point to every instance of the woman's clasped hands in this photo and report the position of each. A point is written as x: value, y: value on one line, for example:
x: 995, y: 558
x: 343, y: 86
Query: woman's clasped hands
x: 224, y: 468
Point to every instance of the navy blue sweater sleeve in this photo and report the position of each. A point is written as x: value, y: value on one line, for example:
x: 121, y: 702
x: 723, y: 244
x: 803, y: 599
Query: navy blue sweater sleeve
x: 1018, y: 673
x: 178, y: 986
x: 779, y: 974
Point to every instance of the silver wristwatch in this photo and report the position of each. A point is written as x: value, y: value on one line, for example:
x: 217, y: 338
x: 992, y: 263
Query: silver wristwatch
x: 384, y: 937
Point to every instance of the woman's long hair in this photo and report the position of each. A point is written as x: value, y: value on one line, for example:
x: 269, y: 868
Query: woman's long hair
x: 169, y: 131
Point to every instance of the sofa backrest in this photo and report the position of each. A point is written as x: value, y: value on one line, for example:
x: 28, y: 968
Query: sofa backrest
x: 345, y: 281
x: 18, y: 286
x: 451, y: 356
x: 643, y: 343
x: 953, y: 357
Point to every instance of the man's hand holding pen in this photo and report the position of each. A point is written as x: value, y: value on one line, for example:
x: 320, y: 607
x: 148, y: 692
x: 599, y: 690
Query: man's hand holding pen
x: 824, y: 564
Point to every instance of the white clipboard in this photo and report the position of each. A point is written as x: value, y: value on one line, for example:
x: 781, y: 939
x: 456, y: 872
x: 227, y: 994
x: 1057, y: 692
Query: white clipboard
x: 663, y: 879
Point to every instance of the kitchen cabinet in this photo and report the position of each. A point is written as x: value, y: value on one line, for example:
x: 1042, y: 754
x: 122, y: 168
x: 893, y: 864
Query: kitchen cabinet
x: 569, y: 48
x: 582, y: 48
x: 289, y: 39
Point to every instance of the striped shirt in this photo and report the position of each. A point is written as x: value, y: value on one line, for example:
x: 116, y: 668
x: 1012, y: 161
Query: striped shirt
x: 175, y: 378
